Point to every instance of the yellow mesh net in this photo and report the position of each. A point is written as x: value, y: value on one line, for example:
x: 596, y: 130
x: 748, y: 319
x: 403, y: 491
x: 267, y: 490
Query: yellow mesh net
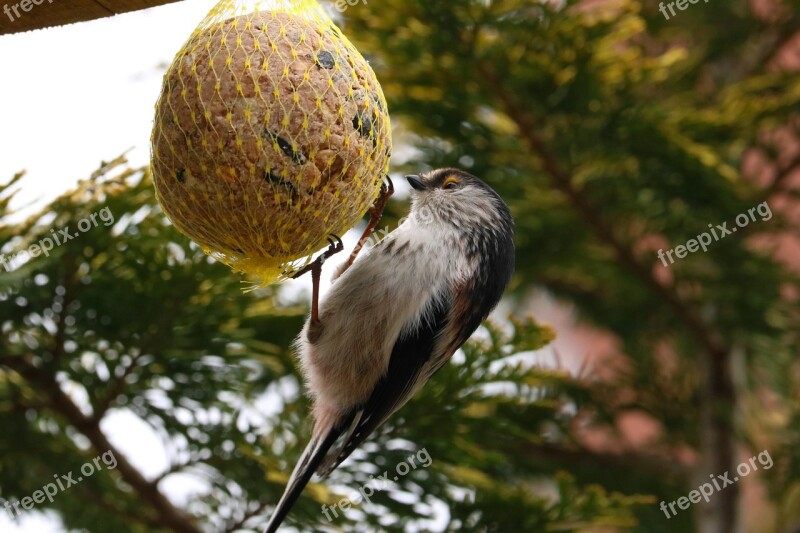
x: 271, y: 133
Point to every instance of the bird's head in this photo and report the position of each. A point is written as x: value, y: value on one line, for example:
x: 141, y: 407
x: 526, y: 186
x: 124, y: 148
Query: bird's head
x: 453, y: 197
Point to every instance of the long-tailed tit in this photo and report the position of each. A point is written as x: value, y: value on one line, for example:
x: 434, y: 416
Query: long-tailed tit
x: 390, y: 321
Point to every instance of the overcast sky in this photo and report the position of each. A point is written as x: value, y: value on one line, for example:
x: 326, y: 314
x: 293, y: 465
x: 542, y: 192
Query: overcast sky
x: 74, y: 95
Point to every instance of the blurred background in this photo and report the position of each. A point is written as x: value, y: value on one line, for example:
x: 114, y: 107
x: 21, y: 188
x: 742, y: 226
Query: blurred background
x: 609, y: 380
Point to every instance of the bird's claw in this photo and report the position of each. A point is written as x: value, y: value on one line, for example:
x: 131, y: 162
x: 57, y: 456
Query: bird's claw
x: 335, y: 245
x: 387, y: 187
x: 387, y: 190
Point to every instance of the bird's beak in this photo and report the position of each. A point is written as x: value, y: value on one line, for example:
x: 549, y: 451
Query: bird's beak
x: 415, y: 182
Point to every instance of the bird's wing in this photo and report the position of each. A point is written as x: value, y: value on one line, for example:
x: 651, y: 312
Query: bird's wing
x: 415, y: 357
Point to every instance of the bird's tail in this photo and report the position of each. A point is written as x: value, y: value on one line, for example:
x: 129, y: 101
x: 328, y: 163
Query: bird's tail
x: 312, y: 456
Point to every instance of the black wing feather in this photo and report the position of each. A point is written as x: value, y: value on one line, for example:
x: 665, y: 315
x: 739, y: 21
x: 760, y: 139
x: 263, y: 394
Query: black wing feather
x: 409, y: 355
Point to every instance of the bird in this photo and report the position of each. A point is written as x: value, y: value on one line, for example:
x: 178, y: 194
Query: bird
x: 393, y: 317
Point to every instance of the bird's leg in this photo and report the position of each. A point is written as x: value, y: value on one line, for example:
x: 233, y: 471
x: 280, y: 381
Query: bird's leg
x: 315, y: 267
x: 375, y: 214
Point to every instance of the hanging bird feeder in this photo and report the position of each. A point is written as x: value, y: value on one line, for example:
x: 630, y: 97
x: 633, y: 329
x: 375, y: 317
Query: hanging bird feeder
x: 271, y: 133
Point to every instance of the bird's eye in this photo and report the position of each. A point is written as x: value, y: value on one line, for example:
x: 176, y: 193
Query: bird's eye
x: 450, y: 183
